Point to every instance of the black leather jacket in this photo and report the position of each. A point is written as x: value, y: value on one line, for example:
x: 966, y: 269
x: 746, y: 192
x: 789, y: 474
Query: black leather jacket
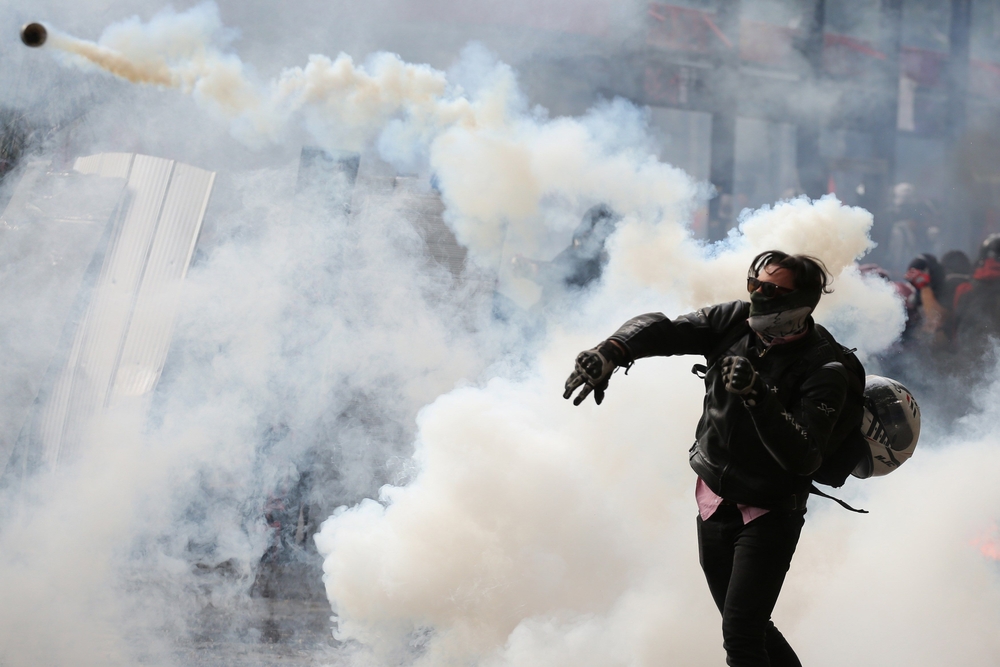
x: 761, y: 455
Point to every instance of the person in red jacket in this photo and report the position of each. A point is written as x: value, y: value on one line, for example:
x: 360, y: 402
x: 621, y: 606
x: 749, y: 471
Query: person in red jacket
x: 977, y: 303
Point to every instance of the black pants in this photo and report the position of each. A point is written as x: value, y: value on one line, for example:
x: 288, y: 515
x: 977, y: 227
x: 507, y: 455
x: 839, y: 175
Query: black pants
x: 745, y: 567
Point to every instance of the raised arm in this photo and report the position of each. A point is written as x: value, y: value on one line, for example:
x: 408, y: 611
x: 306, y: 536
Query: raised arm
x: 650, y: 335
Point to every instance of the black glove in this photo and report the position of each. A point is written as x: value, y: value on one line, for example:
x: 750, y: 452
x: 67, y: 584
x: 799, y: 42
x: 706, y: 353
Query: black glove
x: 741, y: 378
x: 593, y: 370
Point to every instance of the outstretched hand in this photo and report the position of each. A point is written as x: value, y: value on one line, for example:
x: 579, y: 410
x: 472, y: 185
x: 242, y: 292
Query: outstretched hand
x: 592, y: 372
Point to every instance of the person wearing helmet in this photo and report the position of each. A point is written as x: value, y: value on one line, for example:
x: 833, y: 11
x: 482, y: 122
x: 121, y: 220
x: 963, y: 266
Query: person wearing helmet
x: 977, y: 303
x: 775, y: 394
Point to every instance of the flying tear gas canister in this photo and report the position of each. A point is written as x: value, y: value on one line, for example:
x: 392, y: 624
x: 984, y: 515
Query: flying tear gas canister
x: 34, y: 34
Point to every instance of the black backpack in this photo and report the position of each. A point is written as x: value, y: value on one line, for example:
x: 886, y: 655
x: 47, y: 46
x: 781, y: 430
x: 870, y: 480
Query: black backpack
x: 847, y: 448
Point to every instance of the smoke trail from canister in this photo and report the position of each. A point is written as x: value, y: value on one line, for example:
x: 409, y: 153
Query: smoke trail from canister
x: 155, y: 72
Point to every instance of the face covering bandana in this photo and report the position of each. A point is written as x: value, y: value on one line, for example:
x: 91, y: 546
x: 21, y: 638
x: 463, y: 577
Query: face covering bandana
x: 781, y: 316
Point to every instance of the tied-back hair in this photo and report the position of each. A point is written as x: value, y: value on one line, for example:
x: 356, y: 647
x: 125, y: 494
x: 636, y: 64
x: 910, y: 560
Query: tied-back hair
x: 810, y: 273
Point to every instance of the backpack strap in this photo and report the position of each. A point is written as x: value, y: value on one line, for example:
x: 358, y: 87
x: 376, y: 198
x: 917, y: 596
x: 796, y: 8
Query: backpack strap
x: 855, y: 371
x: 729, y: 339
x: 815, y: 491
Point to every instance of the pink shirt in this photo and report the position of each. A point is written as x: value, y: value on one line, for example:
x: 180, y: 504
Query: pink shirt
x: 708, y: 502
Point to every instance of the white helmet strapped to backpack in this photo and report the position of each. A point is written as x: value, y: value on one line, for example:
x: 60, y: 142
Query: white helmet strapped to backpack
x: 891, y: 426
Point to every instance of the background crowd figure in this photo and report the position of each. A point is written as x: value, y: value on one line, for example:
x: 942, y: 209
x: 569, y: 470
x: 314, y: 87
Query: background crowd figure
x: 952, y: 310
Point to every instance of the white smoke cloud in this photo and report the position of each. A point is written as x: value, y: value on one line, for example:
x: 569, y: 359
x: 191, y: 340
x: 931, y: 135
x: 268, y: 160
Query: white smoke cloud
x: 305, y: 345
x: 912, y: 568
x: 539, y: 533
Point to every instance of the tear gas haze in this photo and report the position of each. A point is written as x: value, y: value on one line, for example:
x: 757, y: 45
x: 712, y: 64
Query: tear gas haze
x: 330, y: 388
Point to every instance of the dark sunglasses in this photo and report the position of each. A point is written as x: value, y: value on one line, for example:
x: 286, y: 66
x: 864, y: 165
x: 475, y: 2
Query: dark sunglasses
x: 767, y: 289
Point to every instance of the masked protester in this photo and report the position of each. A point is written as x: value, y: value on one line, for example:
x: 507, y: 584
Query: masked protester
x: 927, y: 277
x: 774, y: 394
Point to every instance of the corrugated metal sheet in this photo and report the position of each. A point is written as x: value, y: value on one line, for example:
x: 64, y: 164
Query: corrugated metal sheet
x: 120, y: 347
x: 50, y: 231
x: 145, y: 345
x: 109, y: 165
